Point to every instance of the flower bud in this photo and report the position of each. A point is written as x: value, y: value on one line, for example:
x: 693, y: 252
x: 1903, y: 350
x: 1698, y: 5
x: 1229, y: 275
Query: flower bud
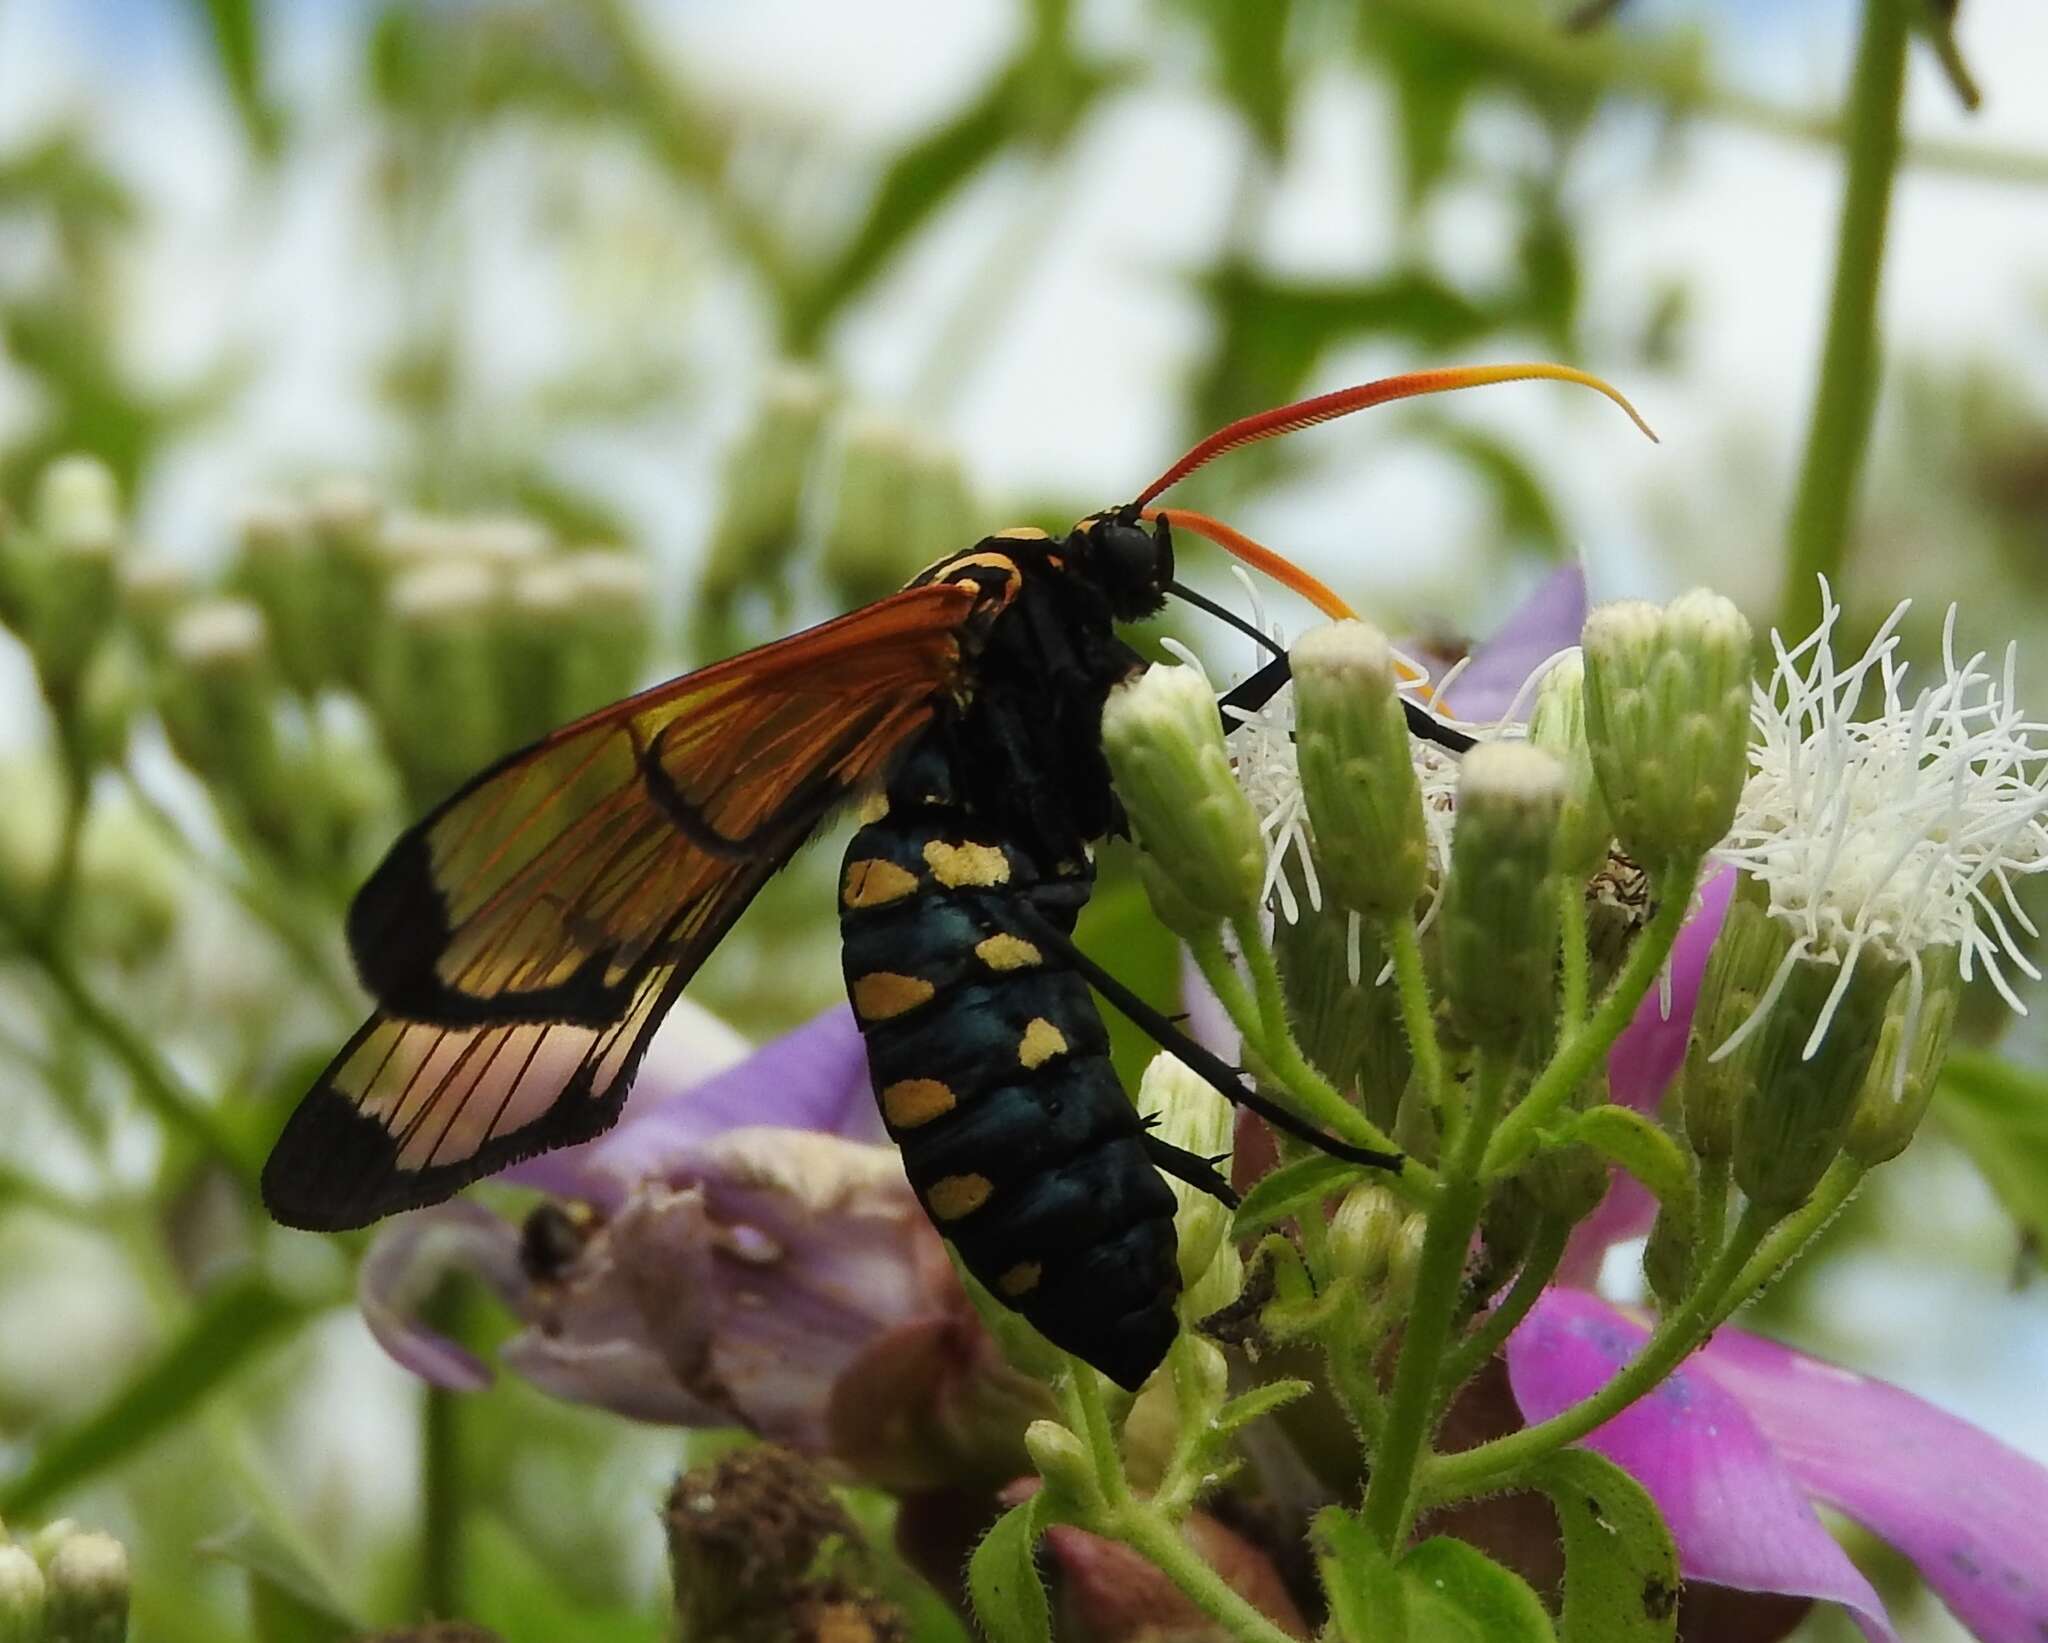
x: 1365, y: 1237
x: 901, y: 502
x: 1557, y: 724
x: 1800, y: 1095
x: 1062, y: 1459
x: 1164, y: 742
x: 1347, y: 1024
x: 1189, y: 1114
x: 576, y: 637
x: 1357, y: 772
x: 1566, y: 1181
x: 1667, y: 718
x: 346, y: 519
x: 87, y: 1577
x: 218, y: 697
x: 433, y: 686
x: 62, y: 576
x: 23, y: 1593
x: 1499, y: 917
x: 1670, y: 1254
x: 1745, y: 958
x: 154, y: 589
x: 277, y: 568
x: 1909, y: 1057
x: 761, y: 492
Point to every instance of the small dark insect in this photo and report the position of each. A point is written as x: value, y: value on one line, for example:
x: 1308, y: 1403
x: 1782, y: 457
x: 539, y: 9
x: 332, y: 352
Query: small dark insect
x: 523, y: 941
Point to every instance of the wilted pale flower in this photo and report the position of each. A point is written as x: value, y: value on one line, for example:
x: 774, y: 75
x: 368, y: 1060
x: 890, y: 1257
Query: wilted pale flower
x: 1886, y: 836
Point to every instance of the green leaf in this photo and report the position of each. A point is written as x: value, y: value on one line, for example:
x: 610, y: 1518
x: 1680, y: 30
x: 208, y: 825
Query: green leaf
x: 290, y: 1600
x: 1241, y: 1411
x: 1290, y: 1189
x: 1365, y: 1594
x: 1117, y: 929
x: 1639, y: 1145
x: 231, y: 1326
x: 1247, y: 48
x: 1620, y: 1565
x: 1003, y: 1580
x: 236, y: 27
x: 1999, y: 1112
x: 1457, y: 1594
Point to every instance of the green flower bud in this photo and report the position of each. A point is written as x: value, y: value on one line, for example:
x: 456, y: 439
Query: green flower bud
x: 434, y: 687
x: 1498, y: 924
x: 23, y: 1593
x: 576, y: 638
x: 1350, y: 1028
x: 1062, y: 1460
x: 1667, y: 717
x: 114, y: 689
x: 1189, y: 1114
x: 1669, y: 1255
x: 1557, y: 724
x: 761, y: 494
x: 1364, y: 1235
x: 902, y: 500
x: 1357, y: 770
x: 278, y: 568
x: 63, y: 576
x: 1566, y: 1181
x: 87, y: 1576
x: 1164, y: 742
x: 219, y: 694
x: 1903, y: 1073
x: 1801, y: 1096
x: 154, y: 589
x: 346, y: 518
x: 1745, y: 958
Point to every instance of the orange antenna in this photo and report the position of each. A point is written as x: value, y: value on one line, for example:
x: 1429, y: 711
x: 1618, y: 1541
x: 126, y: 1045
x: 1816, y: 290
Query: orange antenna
x: 1261, y: 558
x: 1306, y: 413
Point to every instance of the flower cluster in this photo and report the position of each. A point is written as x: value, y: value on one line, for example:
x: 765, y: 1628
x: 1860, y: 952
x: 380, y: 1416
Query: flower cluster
x: 1671, y: 956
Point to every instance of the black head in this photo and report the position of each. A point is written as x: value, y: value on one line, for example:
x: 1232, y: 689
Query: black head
x: 1130, y: 559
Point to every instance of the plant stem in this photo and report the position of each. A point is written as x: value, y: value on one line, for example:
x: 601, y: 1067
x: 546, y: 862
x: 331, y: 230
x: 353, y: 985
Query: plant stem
x: 1148, y: 1531
x: 1404, y: 942
x: 1571, y: 934
x: 1715, y: 1171
x: 1389, y: 1505
x: 1581, y: 1052
x: 440, y: 1571
x: 1793, y: 1234
x: 1489, y: 1465
x: 1262, y: 1020
x: 1846, y: 397
x: 1546, y: 1249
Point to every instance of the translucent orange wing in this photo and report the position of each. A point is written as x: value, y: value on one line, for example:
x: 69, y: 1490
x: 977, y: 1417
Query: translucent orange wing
x: 524, y: 940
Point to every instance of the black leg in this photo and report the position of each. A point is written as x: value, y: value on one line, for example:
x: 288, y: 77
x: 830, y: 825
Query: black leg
x: 1212, y: 1068
x: 1190, y: 1167
x: 1255, y: 692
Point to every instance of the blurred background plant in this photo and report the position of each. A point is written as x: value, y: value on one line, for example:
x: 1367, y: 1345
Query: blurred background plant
x: 383, y: 383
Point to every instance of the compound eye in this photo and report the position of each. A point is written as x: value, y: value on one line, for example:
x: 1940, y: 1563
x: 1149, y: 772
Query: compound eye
x: 1130, y: 560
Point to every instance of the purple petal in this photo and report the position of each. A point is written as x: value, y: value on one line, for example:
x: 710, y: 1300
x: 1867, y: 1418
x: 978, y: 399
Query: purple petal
x: 1208, y: 1023
x: 814, y: 1077
x: 410, y: 1257
x: 1651, y: 1048
x: 1970, y: 1512
x: 1543, y: 624
x: 1738, y: 1514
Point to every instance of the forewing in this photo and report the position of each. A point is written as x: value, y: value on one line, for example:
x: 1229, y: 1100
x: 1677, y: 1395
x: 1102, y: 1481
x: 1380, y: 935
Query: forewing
x: 524, y: 941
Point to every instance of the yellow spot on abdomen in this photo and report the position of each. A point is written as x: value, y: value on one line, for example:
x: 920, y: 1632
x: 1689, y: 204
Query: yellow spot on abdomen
x: 875, y: 883
x: 910, y: 1102
x: 1021, y: 1279
x: 1008, y: 952
x: 956, y: 865
x: 884, y: 994
x: 953, y: 1196
x: 1040, y: 1043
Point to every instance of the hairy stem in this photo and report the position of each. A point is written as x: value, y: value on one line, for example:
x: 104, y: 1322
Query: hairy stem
x: 1546, y: 1249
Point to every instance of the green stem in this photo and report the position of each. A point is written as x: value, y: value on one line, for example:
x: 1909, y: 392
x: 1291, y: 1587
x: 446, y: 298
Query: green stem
x: 1389, y: 1503
x: 1674, y: 78
x: 1715, y: 1171
x: 1488, y: 1466
x: 1404, y: 943
x: 1546, y: 1249
x: 1261, y: 1017
x: 1581, y: 1052
x: 161, y: 1090
x: 1846, y: 398
x: 440, y: 1571
x: 1798, y: 1229
x: 1576, y: 962
x: 1147, y: 1530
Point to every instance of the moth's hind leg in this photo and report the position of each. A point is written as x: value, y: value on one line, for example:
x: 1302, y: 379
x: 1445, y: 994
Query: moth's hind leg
x: 1198, y: 1172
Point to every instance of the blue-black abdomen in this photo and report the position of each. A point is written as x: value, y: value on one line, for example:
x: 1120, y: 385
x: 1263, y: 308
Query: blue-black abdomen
x: 991, y: 1065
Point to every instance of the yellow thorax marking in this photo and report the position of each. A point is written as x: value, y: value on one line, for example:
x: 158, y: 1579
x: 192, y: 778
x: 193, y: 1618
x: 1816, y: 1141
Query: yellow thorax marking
x: 1021, y: 1279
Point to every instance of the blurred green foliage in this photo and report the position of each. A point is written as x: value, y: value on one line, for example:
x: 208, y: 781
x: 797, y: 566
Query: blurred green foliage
x: 220, y: 753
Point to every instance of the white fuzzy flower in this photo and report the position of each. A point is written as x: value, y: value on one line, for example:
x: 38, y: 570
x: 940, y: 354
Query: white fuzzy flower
x: 1894, y: 833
